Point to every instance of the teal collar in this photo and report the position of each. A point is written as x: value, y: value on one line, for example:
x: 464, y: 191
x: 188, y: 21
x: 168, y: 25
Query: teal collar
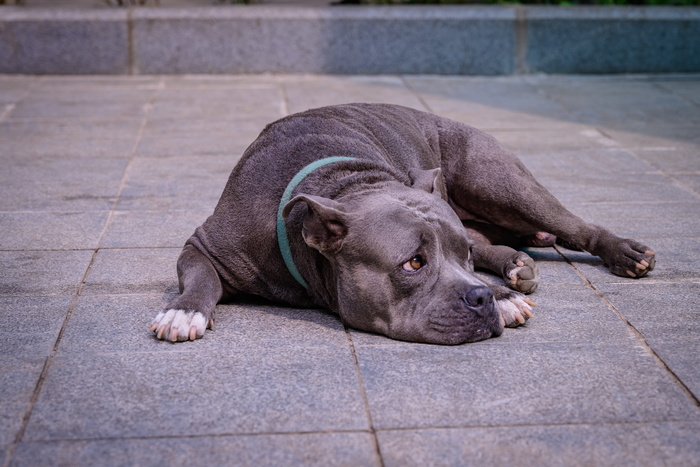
x: 282, y: 239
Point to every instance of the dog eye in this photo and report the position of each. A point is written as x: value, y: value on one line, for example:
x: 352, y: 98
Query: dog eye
x: 414, y: 264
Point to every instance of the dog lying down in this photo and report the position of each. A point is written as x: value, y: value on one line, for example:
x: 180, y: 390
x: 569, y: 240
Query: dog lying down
x: 380, y: 214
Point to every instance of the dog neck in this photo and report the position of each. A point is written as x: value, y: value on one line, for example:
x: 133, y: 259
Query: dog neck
x: 282, y: 238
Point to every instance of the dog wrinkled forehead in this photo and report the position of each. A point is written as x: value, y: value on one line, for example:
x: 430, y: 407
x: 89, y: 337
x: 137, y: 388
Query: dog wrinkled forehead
x: 411, y: 221
x: 436, y: 213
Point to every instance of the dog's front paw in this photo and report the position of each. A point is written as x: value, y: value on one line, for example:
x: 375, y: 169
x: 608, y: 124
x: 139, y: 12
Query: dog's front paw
x: 522, y: 274
x: 515, y: 309
x: 180, y: 325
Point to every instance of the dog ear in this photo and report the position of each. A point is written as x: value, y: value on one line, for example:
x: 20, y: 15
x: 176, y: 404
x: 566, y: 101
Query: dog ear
x: 431, y: 181
x: 325, y: 224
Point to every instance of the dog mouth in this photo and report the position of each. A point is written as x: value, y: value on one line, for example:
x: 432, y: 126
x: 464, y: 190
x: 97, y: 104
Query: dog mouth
x: 459, y: 328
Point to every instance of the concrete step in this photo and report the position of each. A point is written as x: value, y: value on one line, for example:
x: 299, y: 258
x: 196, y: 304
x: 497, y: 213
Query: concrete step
x: 456, y: 40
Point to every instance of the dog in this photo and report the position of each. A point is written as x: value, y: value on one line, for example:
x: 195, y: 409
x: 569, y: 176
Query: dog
x: 381, y: 213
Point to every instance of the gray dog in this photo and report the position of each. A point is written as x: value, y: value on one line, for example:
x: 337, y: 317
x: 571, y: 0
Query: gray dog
x: 380, y: 214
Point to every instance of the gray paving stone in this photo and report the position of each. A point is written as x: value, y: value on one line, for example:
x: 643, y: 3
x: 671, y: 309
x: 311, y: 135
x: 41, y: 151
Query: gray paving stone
x: 583, y: 162
x: 51, y: 230
x: 221, y: 392
x: 671, y: 444
x: 233, y: 125
x: 684, y: 135
x: 183, y: 137
x: 34, y: 139
x: 308, y: 449
x: 672, y: 157
x: 68, y: 148
x: 644, y: 220
x: 142, y: 229
x: 5, y: 109
x: 680, y: 85
x: 681, y: 355
x: 88, y: 103
x: 556, y: 139
x: 245, y: 102
x: 30, y: 273
x: 15, y: 88
x: 116, y: 323
x: 615, y: 187
x: 252, y: 325
x: 318, y: 91
x: 200, y: 81
x: 559, y: 317
x: 689, y: 181
x: 503, y: 102
x: 277, y: 386
x: 29, y: 326
x: 108, y: 83
x: 57, y: 130
x: 99, y: 324
x: 616, y: 99
x: 60, y: 184
x: 176, y: 183
x: 658, y: 310
x: 130, y: 271
x: 423, y: 386
x: 18, y: 378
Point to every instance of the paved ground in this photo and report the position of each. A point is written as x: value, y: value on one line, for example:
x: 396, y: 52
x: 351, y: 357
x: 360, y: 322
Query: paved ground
x: 104, y: 178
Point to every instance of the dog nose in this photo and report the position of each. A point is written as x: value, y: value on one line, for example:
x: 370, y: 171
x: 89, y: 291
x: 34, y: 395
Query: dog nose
x: 479, y: 299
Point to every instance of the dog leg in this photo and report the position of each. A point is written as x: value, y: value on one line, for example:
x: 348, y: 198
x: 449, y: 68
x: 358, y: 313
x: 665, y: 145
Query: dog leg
x: 491, y: 252
x: 188, y: 315
x: 492, y: 184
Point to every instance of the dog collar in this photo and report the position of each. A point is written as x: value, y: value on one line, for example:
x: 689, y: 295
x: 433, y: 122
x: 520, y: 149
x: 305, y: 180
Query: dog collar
x: 282, y: 238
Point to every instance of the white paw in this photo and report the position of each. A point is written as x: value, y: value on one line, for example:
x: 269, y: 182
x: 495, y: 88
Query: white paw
x: 179, y: 325
x: 515, y: 310
x: 513, y: 275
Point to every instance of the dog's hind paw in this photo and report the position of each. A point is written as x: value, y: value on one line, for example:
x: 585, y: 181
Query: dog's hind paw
x: 631, y: 259
x: 515, y: 310
x: 180, y: 325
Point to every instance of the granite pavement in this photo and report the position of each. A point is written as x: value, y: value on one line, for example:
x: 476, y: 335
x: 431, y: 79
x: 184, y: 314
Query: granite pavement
x: 104, y: 178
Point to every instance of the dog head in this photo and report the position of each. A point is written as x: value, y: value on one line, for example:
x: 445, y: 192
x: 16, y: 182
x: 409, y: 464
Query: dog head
x: 402, y: 262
